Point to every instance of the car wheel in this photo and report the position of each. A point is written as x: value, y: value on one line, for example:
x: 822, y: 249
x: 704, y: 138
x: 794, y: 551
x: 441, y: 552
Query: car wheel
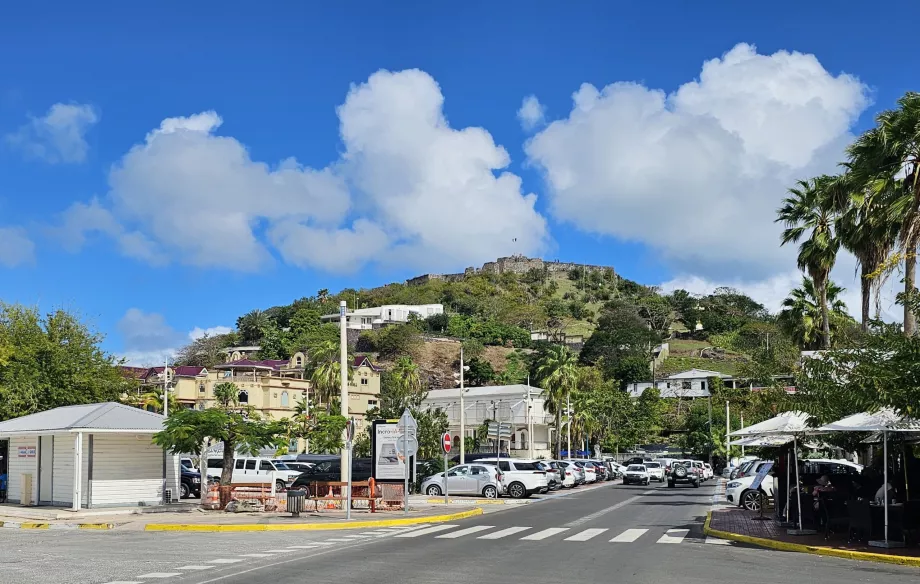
x: 517, y: 491
x: 433, y: 491
x: 184, y: 491
x: 279, y: 486
x: 490, y: 492
x: 670, y: 484
x: 750, y: 500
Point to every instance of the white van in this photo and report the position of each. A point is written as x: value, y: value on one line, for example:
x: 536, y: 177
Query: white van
x: 520, y: 478
x: 254, y: 469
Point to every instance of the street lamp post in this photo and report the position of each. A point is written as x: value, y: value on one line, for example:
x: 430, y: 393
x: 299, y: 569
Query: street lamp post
x: 568, y: 427
x: 343, y: 393
x: 462, y: 410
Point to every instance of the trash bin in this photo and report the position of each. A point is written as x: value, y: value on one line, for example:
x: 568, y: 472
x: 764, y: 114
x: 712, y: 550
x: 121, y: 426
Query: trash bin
x: 296, y: 500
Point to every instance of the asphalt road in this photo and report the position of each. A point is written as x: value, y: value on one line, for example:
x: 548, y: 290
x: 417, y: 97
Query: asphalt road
x: 611, y: 534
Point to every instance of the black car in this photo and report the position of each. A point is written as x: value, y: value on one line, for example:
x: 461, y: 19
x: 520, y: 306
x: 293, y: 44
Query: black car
x: 189, y: 483
x: 474, y: 456
x: 327, y: 471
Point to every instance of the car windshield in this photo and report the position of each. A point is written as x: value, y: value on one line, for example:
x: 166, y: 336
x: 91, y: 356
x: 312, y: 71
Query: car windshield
x: 652, y: 465
x: 636, y: 468
x: 282, y: 466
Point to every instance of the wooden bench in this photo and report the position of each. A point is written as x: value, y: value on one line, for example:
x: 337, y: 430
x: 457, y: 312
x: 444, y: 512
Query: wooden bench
x: 336, y: 490
x: 265, y: 491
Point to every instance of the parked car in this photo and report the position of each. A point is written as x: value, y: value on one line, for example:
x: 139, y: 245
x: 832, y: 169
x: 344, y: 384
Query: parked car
x: 253, y: 469
x: 295, y: 465
x: 742, y: 469
x: 655, y: 471
x: 600, y: 471
x: 636, y: 460
x: 578, y: 473
x: 618, y: 469
x: 520, y: 478
x: 189, y: 483
x: 569, y: 478
x: 469, y: 457
x: 554, y: 474
x: 636, y: 474
x: 707, y: 471
x: 590, y: 474
x: 684, y: 474
x: 739, y: 490
x: 466, y: 479
x: 187, y: 463
x: 331, y: 471
x: 695, y: 464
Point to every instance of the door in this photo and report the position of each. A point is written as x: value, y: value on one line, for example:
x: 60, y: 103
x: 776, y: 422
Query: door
x: 239, y: 473
x: 266, y: 470
x: 481, y: 476
x: 460, y: 480
x: 45, y: 469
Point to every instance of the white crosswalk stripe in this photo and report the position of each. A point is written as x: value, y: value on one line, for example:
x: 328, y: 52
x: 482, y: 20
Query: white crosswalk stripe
x: 541, y: 535
x: 462, y: 532
x: 717, y: 541
x: 674, y: 536
x: 503, y: 533
x: 426, y: 531
x: 629, y: 536
x: 160, y: 575
x: 586, y: 535
x: 195, y: 568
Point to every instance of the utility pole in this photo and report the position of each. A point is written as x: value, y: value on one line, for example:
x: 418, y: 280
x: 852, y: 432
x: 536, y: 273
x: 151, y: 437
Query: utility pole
x: 728, y: 430
x: 343, y: 393
x: 529, y: 417
x: 742, y: 428
x: 568, y: 427
x: 166, y: 389
x: 498, y: 429
x: 462, y: 414
x: 710, y: 429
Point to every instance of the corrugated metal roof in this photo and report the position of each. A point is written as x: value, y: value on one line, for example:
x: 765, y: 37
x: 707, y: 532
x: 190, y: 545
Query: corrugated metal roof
x: 489, y: 390
x: 104, y: 417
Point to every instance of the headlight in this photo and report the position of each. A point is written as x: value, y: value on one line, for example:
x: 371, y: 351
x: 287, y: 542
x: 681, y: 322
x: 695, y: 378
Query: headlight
x: 733, y: 485
x: 196, y: 480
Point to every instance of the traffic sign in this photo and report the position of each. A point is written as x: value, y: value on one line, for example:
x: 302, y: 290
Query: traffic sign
x: 403, y: 445
x: 502, y: 430
x: 407, y: 421
x: 446, y: 443
x: 350, y: 429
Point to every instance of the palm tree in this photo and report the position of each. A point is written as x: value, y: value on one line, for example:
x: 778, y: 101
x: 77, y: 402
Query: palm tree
x: 801, y: 314
x: 406, y: 376
x: 810, y: 210
x: 323, y: 295
x: 253, y: 325
x: 887, y: 159
x: 326, y: 371
x: 557, y: 372
x: 865, y: 228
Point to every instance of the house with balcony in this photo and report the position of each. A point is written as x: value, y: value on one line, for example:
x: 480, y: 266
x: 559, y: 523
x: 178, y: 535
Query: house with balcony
x: 522, y: 406
x: 686, y: 384
x: 380, y: 316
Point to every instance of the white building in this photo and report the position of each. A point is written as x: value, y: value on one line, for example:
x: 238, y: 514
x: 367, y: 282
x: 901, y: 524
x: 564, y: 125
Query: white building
x: 692, y: 383
x: 369, y: 318
x: 95, y: 455
x: 507, y: 403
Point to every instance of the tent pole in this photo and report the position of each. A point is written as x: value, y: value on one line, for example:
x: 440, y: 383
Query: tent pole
x: 788, y: 495
x: 798, y: 491
x: 885, y: 466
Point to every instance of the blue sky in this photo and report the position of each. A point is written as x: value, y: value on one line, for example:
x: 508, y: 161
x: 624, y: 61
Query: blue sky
x: 168, y: 167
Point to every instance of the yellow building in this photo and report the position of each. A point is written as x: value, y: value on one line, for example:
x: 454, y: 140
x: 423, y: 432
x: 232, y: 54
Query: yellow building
x: 363, y: 389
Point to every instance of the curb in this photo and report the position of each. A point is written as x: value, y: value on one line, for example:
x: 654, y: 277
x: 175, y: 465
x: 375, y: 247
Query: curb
x: 313, y: 526
x: 461, y: 501
x: 786, y: 546
x: 55, y: 526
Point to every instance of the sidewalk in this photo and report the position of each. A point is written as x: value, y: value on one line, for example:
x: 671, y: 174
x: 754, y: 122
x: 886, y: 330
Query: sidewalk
x: 736, y: 524
x: 199, y: 520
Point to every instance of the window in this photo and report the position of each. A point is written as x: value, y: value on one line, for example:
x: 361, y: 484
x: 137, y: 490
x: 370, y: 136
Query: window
x: 324, y: 466
x: 479, y: 470
x: 371, y: 403
x: 460, y: 471
x: 456, y: 442
x: 201, y: 388
x: 265, y: 465
x: 703, y: 385
x: 525, y: 466
x: 363, y: 381
x: 503, y: 465
x: 298, y: 361
x: 244, y: 397
x: 215, y: 463
x: 240, y: 463
x: 685, y: 385
x: 285, y: 399
x: 250, y: 464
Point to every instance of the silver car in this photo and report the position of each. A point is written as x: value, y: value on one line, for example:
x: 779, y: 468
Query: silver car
x: 466, y: 479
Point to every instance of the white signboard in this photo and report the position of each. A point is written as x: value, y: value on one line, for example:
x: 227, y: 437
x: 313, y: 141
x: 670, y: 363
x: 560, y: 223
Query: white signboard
x: 27, y: 452
x: 761, y: 473
x: 389, y: 464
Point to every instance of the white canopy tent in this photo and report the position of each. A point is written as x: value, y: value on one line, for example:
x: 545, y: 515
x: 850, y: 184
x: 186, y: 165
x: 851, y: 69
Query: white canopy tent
x: 782, y: 427
x: 885, y: 420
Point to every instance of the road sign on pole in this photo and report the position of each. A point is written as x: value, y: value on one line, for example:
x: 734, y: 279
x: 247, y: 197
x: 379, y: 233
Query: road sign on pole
x: 446, y: 443
x: 445, y: 447
x: 407, y: 424
x: 350, y: 436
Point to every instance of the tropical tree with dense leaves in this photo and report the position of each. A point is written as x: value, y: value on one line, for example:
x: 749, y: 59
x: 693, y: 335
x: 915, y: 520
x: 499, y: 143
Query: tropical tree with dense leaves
x: 252, y: 326
x: 801, y: 315
x: 808, y: 214
x: 887, y: 159
x: 557, y: 373
x: 326, y: 371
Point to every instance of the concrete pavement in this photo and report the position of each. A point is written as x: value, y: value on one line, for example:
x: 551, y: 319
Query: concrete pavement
x: 615, y: 533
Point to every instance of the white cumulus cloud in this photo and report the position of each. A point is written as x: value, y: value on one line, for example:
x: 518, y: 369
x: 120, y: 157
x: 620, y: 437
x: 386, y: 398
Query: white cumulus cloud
x: 212, y: 331
x: 148, y: 340
x: 59, y: 135
x: 698, y: 174
x: 408, y: 189
x: 532, y: 113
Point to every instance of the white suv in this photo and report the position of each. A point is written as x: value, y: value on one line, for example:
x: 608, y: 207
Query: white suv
x: 520, y: 478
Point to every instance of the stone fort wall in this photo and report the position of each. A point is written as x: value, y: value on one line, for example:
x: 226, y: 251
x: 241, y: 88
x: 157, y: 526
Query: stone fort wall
x: 516, y: 264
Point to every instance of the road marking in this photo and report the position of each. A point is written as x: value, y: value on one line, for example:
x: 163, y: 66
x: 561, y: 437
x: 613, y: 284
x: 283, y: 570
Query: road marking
x: 717, y: 541
x: 230, y: 560
x: 629, y: 536
x: 602, y: 512
x: 540, y: 535
x: 257, y: 555
x: 160, y: 575
x: 426, y: 531
x: 586, y: 535
x: 339, y: 540
x: 124, y: 582
x: 302, y: 547
x: 503, y: 533
x: 195, y: 568
x: 355, y: 536
x: 462, y: 532
x: 674, y: 536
